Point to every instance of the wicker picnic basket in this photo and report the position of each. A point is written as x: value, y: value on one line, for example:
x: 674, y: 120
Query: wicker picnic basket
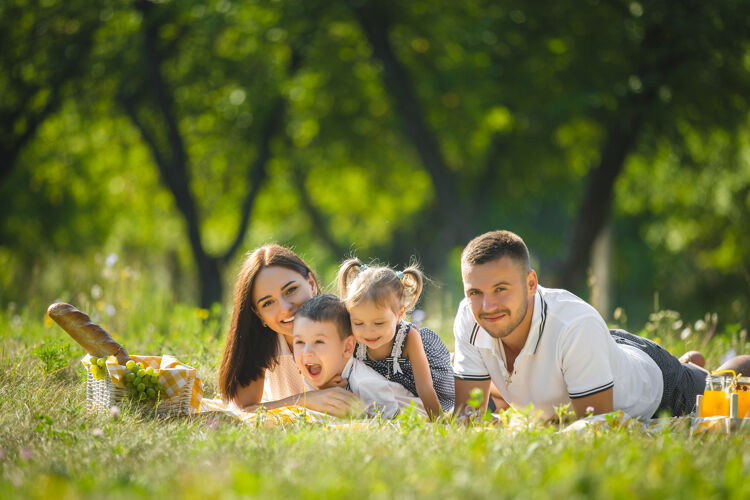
x: 103, y: 394
x: 183, y: 387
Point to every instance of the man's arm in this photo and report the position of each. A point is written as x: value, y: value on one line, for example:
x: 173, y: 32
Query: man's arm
x: 601, y: 402
x: 463, y: 394
x: 586, y: 367
x: 500, y: 403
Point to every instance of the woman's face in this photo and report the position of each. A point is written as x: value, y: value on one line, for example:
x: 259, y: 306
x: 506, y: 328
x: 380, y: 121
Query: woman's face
x: 277, y: 294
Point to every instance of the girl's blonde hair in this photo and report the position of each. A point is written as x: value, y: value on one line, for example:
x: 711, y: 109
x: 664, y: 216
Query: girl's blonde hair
x: 383, y: 286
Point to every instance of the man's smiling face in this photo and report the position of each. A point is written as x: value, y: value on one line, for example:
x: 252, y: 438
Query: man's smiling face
x: 499, y: 293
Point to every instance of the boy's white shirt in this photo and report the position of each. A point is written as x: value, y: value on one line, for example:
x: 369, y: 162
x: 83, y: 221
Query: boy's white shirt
x: 378, y: 393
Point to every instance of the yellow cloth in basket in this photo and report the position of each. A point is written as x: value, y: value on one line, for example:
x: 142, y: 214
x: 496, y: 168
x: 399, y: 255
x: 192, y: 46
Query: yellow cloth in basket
x: 173, y: 375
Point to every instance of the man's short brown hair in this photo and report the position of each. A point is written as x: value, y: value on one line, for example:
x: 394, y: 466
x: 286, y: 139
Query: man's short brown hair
x: 496, y: 245
x: 327, y: 307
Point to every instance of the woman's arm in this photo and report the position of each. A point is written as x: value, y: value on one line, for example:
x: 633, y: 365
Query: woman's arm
x: 422, y: 375
x: 250, y: 394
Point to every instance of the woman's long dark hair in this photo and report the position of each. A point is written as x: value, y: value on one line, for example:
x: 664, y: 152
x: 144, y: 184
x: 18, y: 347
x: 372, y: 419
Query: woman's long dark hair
x: 252, y: 347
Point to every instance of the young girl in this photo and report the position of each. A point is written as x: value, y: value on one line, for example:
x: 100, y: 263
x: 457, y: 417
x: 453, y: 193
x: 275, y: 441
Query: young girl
x: 377, y: 299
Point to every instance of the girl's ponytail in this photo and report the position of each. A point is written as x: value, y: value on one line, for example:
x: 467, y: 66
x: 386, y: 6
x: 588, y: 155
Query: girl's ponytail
x: 348, y: 270
x: 382, y: 285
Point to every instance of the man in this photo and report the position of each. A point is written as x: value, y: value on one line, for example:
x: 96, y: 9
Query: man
x: 550, y: 348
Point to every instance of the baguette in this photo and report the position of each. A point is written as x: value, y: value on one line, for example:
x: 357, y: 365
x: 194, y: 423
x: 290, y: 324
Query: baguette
x: 93, y: 338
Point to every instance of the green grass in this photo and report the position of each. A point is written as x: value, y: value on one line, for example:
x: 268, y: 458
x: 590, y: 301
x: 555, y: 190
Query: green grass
x: 53, y: 447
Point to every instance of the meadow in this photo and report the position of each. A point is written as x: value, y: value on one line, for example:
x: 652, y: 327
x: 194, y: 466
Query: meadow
x: 146, y: 145
x: 52, y: 446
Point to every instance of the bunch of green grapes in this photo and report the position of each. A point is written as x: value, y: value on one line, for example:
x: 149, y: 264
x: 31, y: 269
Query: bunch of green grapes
x: 98, y: 367
x: 142, y: 382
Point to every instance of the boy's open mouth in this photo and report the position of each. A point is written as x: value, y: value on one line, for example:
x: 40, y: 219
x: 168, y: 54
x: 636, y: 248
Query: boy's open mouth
x: 313, y: 369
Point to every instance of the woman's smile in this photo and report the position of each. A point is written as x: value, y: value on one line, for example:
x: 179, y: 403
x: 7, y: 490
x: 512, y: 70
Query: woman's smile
x: 278, y: 293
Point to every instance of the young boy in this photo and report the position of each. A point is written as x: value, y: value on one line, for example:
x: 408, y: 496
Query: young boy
x: 323, y: 349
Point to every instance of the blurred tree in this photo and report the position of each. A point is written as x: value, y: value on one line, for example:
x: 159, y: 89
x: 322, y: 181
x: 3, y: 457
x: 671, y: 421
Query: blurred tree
x: 613, y: 72
x: 148, y: 98
x: 46, y: 50
x: 382, y: 128
x: 691, y: 202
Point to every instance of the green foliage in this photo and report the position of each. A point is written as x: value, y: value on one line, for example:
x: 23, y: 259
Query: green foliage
x: 53, y: 357
x: 521, y: 100
x: 679, y: 336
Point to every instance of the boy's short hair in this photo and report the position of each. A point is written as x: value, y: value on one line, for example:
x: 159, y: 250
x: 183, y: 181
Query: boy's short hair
x: 327, y: 307
x: 496, y: 245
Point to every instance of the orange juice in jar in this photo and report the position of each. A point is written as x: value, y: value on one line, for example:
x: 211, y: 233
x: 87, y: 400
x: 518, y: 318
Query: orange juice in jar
x: 742, y: 387
x: 715, y: 402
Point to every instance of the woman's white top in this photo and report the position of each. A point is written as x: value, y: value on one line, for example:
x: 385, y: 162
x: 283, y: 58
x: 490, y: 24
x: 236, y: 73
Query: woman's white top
x: 284, y: 379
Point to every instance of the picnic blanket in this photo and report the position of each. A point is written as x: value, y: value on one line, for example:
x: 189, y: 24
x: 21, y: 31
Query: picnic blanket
x: 293, y: 414
x: 285, y: 415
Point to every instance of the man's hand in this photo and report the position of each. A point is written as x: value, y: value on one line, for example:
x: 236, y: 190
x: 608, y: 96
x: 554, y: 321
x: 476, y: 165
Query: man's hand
x: 463, y: 395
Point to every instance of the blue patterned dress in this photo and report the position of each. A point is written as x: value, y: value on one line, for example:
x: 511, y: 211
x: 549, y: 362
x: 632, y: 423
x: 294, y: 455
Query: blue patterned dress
x: 399, y: 369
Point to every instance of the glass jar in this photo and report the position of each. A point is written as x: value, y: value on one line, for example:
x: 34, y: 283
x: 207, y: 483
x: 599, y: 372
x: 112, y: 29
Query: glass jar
x: 741, y: 386
x: 715, y: 401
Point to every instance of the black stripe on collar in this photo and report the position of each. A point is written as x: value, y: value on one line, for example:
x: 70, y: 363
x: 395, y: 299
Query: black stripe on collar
x: 474, y: 331
x: 543, y: 320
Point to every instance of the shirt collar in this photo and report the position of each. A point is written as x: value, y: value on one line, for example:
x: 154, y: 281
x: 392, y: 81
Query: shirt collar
x: 480, y: 338
x: 348, y: 367
x: 538, y: 321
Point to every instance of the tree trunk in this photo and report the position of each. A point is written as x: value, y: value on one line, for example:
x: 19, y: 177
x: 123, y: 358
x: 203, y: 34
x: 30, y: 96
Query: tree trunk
x: 600, y: 280
x: 622, y: 134
x: 594, y: 211
x: 447, y: 215
x: 172, y: 160
x: 210, y: 279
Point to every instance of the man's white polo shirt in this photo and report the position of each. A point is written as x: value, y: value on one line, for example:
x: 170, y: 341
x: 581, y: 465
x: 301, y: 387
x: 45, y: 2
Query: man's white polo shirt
x: 568, y: 354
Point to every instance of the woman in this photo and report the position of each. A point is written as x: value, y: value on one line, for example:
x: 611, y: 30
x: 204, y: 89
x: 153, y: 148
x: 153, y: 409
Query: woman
x: 257, y: 364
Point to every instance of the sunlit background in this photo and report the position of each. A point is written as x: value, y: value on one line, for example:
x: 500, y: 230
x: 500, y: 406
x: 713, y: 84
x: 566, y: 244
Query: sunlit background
x: 147, y: 146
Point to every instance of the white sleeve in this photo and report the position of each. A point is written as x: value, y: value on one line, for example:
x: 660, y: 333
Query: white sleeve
x: 380, y: 394
x: 467, y: 361
x: 585, y: 358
